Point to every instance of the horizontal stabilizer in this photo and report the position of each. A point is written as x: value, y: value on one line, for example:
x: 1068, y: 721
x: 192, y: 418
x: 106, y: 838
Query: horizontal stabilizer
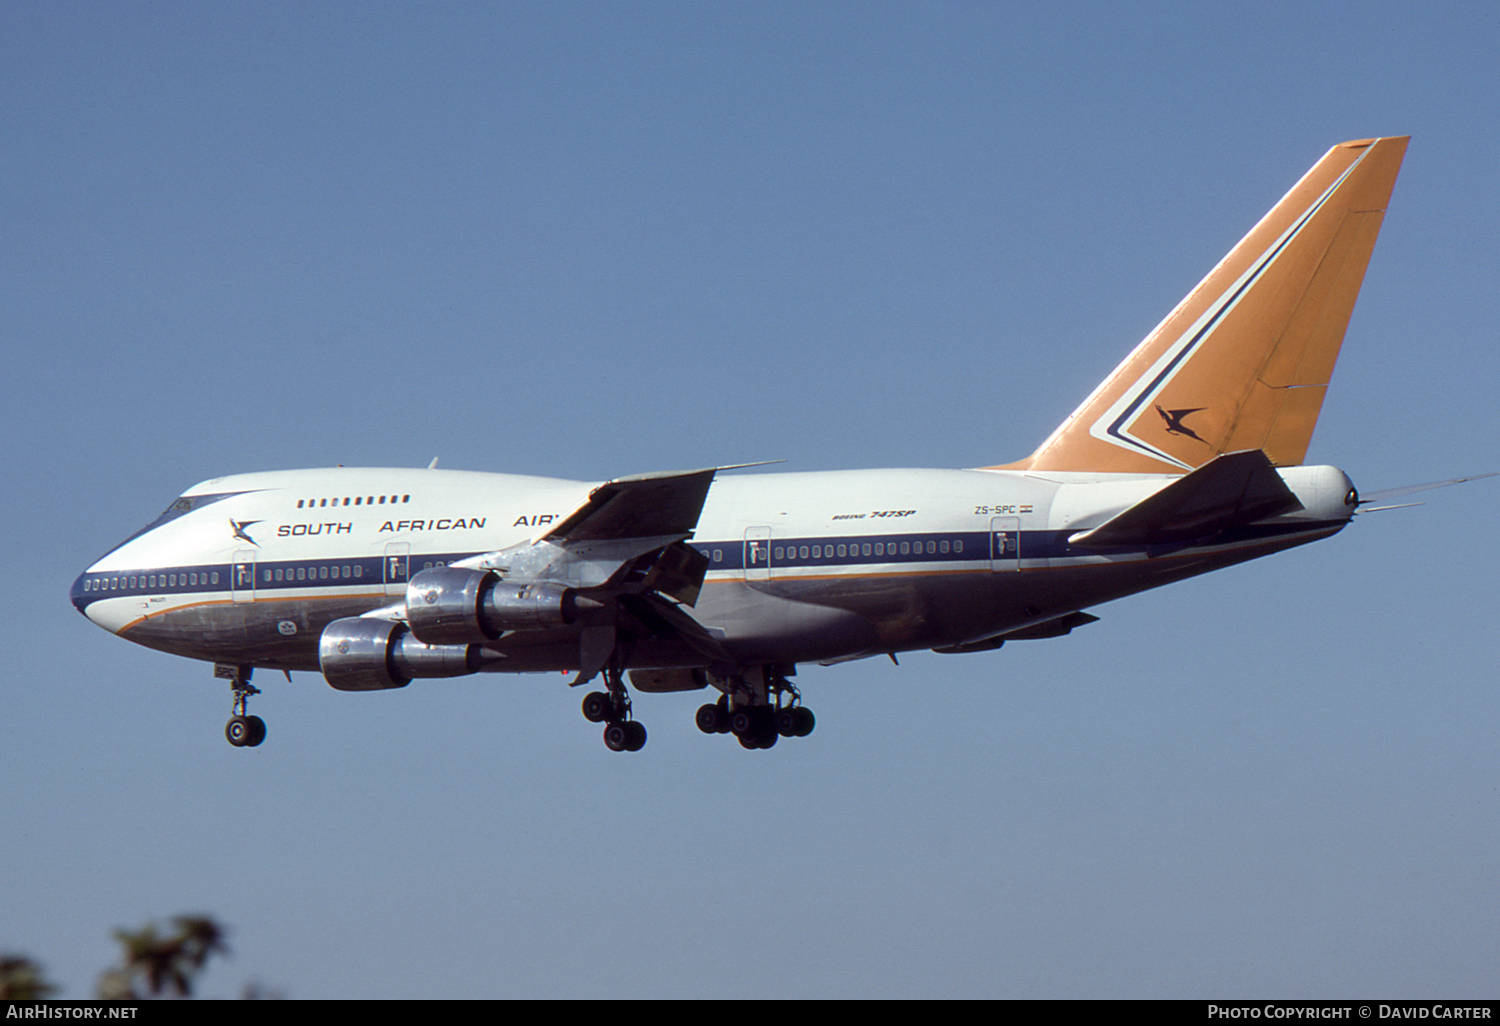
x: 1230, y: 490
x: 1054, y: 628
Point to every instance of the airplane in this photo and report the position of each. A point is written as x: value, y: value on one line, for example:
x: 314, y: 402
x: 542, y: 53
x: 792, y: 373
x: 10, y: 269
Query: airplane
x: 1185, y: 459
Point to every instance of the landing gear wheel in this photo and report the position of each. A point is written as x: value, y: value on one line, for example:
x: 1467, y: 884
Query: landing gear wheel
x: 759, y: 739
x: 598, y: 707
x: 711, y: 719
x: 803, y: 721
x: 629, y: 736
x: 742, y: 723
x: 242, y: 730
x: 245, y: 731
x: 635, y: 736
x: 614, y: 737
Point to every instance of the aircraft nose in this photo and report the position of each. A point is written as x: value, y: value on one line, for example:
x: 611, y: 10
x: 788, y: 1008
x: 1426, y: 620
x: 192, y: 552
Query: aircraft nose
x: 79, y: 595
x: 86, y: 600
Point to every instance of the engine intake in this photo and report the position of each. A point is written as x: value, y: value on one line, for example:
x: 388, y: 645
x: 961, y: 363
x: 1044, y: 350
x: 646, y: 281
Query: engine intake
x: 453, y: 606
x: 362, y: 654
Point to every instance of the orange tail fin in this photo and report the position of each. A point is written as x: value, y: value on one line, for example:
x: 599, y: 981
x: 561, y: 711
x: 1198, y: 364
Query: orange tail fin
x: 1244, y: 361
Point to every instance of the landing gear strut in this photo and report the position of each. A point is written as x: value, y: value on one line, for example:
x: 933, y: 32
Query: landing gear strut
x: 242, y: 730
x: 612, y: 708
x: 758, y: 708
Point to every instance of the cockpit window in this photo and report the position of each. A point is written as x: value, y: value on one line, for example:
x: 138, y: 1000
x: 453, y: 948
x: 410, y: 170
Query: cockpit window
x: 186, y: 504
x: 181, y: 505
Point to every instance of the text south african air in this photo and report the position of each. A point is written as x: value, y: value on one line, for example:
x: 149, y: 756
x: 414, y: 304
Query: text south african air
x: 440, y: 524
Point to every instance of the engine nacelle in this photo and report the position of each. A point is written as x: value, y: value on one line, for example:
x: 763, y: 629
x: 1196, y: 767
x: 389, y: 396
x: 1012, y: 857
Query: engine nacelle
x: 364, y: 654
x: 452, y: 606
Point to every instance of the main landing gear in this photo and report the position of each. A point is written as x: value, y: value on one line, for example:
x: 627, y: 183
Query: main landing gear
x: 242, y: 730
x: 760, y: 708
x: 612, y: 708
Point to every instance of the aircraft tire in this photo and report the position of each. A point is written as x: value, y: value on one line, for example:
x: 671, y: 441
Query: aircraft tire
x: 759, y: 739
x: 237, y: 731
x: 635, y: 736
x: 710, y: 719
x: 804, y: 721
x: 255, y: 731
x: 616, y: 737
x: 597, y: 706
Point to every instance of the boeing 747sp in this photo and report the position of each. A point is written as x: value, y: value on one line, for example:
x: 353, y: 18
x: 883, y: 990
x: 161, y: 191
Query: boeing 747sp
x: 1187, y: 458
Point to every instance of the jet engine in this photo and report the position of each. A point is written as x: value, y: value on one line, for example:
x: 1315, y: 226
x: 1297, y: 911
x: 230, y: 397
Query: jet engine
x: 364, y: 654
x: 453, y: 606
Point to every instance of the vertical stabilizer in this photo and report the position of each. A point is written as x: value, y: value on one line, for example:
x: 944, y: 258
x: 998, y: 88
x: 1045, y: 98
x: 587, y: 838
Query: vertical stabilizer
x: 1244, y: 361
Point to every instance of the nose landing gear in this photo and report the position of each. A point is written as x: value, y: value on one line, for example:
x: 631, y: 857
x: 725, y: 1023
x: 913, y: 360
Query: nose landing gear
x: 242, y: 730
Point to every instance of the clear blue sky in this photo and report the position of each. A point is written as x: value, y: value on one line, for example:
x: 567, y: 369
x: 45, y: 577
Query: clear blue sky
x: 593, y: 239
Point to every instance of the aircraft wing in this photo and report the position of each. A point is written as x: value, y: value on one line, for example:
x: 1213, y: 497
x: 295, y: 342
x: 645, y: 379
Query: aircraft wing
x: 1233, y: 489
x: 641, y: 506
x: 623, y: 557
x: 605, y: 539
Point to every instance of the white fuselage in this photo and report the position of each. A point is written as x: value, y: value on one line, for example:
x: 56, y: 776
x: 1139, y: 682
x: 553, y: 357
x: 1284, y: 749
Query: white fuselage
x: 823, y: 567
